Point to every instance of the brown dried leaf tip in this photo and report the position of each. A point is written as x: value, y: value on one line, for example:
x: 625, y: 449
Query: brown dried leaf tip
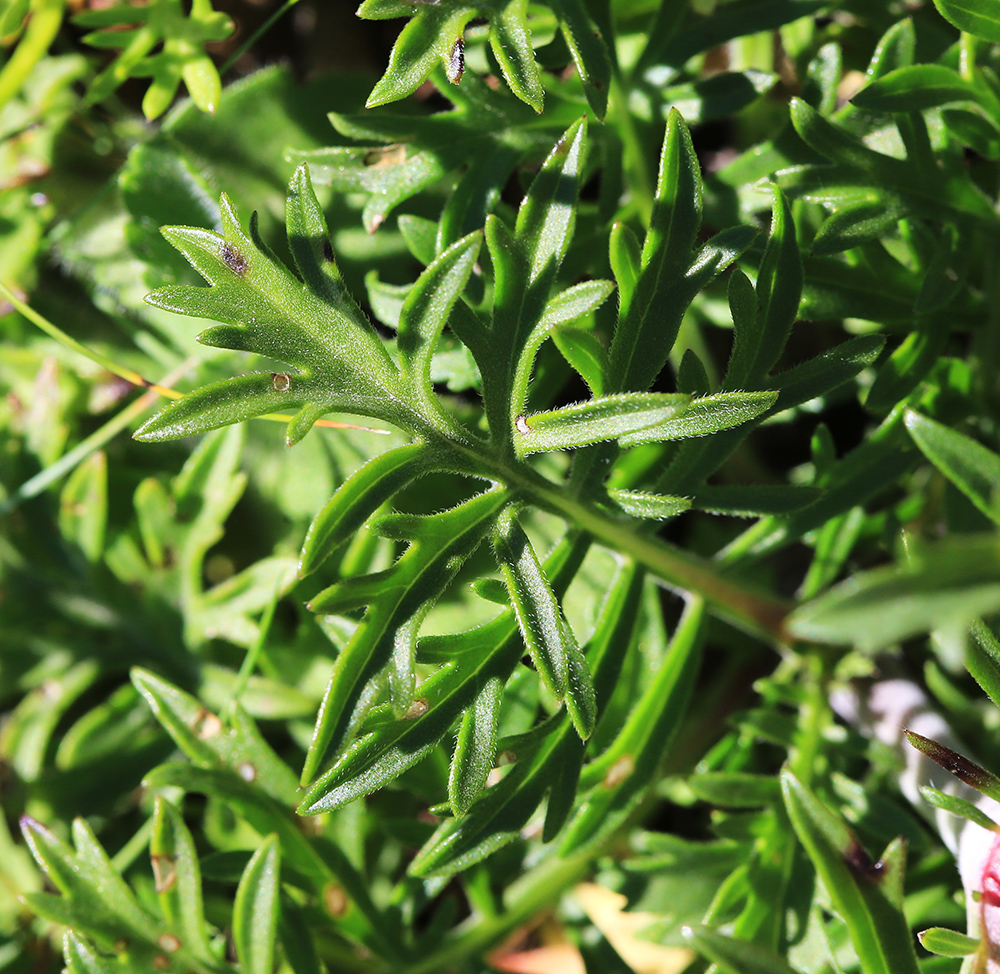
x: 962, y: 768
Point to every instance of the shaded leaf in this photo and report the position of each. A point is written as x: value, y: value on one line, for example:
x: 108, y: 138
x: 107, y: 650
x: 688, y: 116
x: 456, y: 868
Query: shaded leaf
x: 979, y: 17
x: 857, y: 886
x: 970, y: 466
x: 946, y: 586
x: 256, y: 909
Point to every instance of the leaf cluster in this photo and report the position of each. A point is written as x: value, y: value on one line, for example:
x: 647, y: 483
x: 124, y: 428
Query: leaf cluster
x: 671, y: 444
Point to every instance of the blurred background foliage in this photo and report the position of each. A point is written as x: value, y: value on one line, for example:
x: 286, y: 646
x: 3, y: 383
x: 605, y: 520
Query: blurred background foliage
x: 179, y: 558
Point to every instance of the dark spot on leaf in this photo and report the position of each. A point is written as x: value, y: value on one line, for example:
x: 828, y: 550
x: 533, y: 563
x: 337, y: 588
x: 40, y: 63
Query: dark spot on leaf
x: 327, y: 250
x: 233, y: 259
x: 281, y: 381
x: 860, y: 863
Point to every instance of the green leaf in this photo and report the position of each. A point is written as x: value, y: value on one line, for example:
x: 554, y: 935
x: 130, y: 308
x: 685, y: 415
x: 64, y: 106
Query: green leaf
x: 95, y: 895
x: 575, y: 302
x: 180, y: 37
x: 625, y: 256
x: 827, y: 371
x: 178, y: 879
x: 858, y: 887
x: 547, y: 759
x: 525, y: 265
x: 256, y: 909
x: 440, y: 544
x: 488, y: 653
x: 908, y: 366
x: 419, y: 234
x: 734, y: 956
x: 14, y: 12
x: 704, y: 416
x: 475, y: 748
x: 658, y: 507
x: 971, y: 125
x: 735, y: 789
x: 920, y: 86
x: 501, y: 812
x: 778, y: 289
x: 209, y: 743
x: 978, y: 17
x: 957, y: 806
x: 955, y: 193
x: 648, y: 321
x: 363, y: 493
x: 80, y: 959
x: 970, y: 466
x: 947, y: 943
x: 83, y: 505
x: 854, y: 224
x: 424, y: 43
x: 338, y: 361
x: 322, y: 863
x: 546, y: 218
x: 510, y: 40
x: 589, y: 50
x: 607, y: 418
x: 586, y: 353
x: 896, y: 49
x: 547, y: 635
x: 312, y: 249
x: 697, y: 32
x: 754, y: 500
x: 719, y: 95
x: 427, y: 307
x: 945, y: 587
x: 982, y: 659
x: 626, y: 769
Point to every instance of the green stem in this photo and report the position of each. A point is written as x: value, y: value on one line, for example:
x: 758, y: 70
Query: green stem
x: 68, y: 461
x: 67, y: 341
x: 747, y: 606
x: 967, y: 56
x: 46, y: 19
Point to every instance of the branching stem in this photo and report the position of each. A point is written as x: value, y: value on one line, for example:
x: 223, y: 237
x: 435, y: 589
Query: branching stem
x: 749, y: 607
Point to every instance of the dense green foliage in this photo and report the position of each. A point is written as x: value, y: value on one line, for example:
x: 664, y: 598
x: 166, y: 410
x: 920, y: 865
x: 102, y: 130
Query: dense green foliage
x: 653, y: 355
